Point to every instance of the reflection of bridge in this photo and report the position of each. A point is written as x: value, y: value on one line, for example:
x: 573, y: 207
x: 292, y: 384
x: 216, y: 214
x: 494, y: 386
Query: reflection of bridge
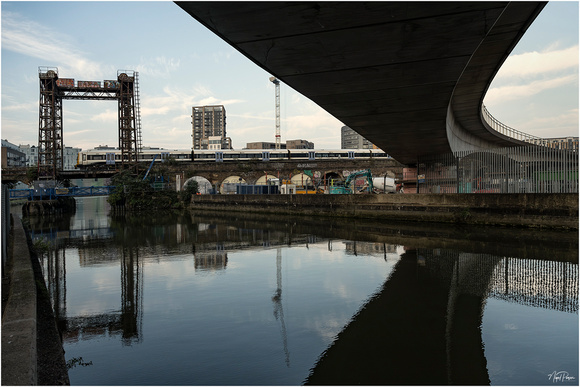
x: 53, y: 193
x: 435, y: 293
x: 423, y: 327
x: 126, y: 322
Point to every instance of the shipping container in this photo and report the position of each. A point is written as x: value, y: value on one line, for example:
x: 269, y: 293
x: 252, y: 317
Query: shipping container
x: 89, y: 84
x: 111, y: 84
x: 65, y: 82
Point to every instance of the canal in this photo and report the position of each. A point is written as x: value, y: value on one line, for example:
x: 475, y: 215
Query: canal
x: 221, y: 299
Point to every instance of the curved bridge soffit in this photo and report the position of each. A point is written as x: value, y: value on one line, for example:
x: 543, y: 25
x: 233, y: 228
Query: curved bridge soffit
x: 465, y: 126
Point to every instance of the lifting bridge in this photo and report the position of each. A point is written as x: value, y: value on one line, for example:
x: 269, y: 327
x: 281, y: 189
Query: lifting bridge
x: 125, y: 89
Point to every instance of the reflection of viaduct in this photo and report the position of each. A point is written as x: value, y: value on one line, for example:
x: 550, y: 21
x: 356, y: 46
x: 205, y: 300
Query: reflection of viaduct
x: 423, y: 327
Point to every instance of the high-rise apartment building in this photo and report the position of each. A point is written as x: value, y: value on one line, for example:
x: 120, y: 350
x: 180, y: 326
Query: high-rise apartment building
x: 349, y: 139
x: 209, y: 121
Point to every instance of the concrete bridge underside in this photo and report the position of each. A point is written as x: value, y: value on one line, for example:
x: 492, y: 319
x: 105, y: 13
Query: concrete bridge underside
x: 408, y: 76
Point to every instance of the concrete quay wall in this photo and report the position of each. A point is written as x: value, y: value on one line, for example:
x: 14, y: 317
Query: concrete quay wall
x: 19, y: 352
x: 519, y: 210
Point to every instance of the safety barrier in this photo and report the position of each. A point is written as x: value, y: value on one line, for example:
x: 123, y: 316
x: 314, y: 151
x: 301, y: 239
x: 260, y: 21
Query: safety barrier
x: 53, y: 193
x: 524, y: 169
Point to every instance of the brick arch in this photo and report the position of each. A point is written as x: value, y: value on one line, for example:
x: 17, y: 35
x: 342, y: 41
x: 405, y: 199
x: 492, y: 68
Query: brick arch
x: 203, y: 187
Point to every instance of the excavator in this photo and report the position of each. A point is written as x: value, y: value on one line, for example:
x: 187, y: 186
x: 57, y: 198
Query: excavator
x: 349, y: 184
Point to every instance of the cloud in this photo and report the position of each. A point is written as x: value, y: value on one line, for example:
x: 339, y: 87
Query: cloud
x: 517, y: 92
x: 561, y: 125
x: 159, y: 67
x: 106, y: 116
x: 533, y: 64
x: 215, y: 101
x: 27, y: 107
x: 29, y: 38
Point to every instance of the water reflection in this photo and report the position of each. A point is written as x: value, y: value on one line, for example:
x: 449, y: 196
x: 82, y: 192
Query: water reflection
x: 232, y: 299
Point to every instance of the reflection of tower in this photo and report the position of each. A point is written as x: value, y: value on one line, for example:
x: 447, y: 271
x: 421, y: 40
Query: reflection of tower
x: 277, y: 299
x: 131, y: 296
x: 54, y: 268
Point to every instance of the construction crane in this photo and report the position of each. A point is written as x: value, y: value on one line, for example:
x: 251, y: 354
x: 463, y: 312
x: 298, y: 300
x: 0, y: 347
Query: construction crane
x: 276, y: 82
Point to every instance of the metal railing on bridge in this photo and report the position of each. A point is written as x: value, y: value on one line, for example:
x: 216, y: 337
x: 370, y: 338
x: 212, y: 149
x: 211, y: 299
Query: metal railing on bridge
x: 502, y: 128
x: 53, y: 193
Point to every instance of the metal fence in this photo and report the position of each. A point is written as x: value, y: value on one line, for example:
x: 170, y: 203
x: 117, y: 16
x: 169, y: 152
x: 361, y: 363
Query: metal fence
x: 525, y: 169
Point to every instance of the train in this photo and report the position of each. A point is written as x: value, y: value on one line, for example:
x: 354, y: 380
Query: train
x: 101, y: 157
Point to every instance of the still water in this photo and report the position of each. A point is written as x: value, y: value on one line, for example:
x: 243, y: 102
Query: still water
x: 221, y: 299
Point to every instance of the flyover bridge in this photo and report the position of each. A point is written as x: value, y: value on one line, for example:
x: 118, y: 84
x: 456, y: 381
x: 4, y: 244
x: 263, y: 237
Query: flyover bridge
x: 408, y: 76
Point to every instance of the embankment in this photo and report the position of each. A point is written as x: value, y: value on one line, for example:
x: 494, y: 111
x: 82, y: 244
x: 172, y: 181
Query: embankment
x: 32, y: 352
x: 558, y: 211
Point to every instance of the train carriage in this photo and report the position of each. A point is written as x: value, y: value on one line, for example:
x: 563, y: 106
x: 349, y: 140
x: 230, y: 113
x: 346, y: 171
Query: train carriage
x: 97, y: 157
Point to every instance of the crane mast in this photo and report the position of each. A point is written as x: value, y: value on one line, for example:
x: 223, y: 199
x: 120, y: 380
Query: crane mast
x: 276, y: 82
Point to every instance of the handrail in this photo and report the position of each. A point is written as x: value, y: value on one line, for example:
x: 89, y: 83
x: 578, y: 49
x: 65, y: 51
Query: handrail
x: 502, y: 128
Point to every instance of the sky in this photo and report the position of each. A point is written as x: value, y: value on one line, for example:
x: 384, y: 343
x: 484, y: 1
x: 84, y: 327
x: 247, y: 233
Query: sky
x: 182, y: 64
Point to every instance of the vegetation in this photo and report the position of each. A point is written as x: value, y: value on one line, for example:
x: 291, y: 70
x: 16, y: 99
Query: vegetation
x: 135, y: 194
x: 31, y: 175
x: 41, y: 246
x: 187, y: 191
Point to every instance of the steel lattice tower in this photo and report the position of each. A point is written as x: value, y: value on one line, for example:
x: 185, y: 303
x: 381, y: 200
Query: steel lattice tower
x: 127, y: 127
x: 50, y: 157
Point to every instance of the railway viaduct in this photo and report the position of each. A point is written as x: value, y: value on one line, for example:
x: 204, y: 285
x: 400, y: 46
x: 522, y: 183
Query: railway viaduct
x: 215, y: 173
x: 250, y: 171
